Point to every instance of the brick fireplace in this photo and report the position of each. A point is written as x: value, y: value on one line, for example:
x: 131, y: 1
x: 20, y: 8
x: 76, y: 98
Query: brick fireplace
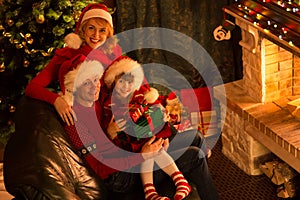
x: 259, y: 121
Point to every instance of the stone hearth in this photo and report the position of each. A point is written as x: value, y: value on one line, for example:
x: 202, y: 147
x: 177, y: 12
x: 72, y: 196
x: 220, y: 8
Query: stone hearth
x: 253, y: 131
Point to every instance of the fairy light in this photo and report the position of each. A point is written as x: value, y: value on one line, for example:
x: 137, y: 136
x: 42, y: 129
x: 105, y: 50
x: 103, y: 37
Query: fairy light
x: 258, y: 16
x: 284, y: 30
x: 268, y: 25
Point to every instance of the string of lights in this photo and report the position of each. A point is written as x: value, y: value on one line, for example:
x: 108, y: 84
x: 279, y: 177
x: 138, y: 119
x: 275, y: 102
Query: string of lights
x: 278, y: 19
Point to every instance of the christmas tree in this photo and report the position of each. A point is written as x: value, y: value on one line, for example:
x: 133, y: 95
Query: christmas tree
x: 30, y: 31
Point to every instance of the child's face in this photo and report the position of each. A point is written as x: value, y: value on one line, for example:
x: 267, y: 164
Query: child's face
x: 124, y: 87
x: 95, y: 32
x: 88, y: 91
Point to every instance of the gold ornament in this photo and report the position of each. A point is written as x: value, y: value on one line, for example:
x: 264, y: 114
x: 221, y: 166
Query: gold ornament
x: 28, y: 38
x: 12, y: 108
x: 19, y: 46
x: 40, y: 19
x: 26, y: 63
x: 2, y: 67
x: 76, y: 15
x: 6, y: 34
x: 9, y: 22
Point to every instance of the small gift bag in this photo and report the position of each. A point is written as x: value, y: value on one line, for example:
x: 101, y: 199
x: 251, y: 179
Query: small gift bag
x: 205, y: 121
x: 199, y: 103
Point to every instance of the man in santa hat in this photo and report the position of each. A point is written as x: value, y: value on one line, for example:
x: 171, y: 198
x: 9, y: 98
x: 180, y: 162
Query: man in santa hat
x: 81, y: 89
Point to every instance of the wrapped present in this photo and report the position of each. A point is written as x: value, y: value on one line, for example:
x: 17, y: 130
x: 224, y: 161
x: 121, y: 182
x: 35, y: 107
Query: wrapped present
x: 205, y: 121
x: 146, y: 120
x: 197, y: 99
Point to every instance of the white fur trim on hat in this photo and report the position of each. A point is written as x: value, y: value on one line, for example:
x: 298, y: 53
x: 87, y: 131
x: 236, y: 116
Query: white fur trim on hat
x: 74, y: 78
x: 73, y: 41
x: 151, y: 95
x: 126, y: 66
x: 98, y: 13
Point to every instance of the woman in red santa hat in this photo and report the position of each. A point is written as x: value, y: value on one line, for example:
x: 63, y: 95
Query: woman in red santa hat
x: 130, y: 97
x: 93, y: 38
x: 130, y: 101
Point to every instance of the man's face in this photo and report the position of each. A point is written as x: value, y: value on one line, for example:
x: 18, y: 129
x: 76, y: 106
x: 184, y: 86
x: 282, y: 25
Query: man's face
x: 88, y: 91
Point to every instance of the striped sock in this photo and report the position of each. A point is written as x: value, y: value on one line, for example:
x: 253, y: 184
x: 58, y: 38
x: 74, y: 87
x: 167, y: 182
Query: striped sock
x: 183, y: 188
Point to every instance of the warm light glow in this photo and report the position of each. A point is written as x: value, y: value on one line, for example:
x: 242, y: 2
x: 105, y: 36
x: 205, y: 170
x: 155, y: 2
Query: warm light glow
x: 258, y: 16
x: 291, y: 43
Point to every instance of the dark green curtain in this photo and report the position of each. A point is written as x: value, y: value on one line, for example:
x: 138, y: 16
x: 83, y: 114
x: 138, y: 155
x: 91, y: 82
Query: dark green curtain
x: 194, y: 18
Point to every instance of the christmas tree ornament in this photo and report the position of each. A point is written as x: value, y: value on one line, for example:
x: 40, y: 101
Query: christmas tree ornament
x: 19, y: 46
x: 9, y: 22
x: 28, y: 38
x: 2, y: 67
x: 26, y: 63
x: 12, y: 108
x: 7, y: 34
x: 76, y: 15
x: 40, y: 19
x: 222, y: 32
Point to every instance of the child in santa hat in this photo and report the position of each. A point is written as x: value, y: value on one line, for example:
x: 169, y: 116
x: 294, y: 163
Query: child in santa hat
x: 93, y: 38
x: 131, y: 101
x: 81, y: 85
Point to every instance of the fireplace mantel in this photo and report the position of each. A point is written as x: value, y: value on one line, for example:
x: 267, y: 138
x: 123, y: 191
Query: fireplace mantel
x: 278, y: 21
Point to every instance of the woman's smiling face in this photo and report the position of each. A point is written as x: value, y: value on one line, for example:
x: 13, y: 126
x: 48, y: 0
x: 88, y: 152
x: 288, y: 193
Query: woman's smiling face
x: 95, y: 32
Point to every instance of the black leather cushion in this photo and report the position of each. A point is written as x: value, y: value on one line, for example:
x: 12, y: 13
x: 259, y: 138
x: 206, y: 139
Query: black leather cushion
x: 40, y: 163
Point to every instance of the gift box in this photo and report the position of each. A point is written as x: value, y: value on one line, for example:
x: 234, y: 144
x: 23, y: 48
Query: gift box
x: 197, y: 99
x: 205, y: 121
x: 147, y: 123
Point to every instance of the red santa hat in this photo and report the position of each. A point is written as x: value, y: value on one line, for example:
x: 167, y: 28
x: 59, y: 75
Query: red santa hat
x: 124, y: 65
x: 93, y: 10
x: 172, y: 98
x: 72, y: 76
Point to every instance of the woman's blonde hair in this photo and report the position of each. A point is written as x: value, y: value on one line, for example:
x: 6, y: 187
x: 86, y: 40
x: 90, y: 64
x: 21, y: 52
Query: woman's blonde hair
x: 111, y: 41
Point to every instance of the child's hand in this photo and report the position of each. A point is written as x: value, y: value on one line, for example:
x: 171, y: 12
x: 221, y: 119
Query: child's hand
x: 121, y: 123
x: 166, y: 144
x: 115, y: 126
